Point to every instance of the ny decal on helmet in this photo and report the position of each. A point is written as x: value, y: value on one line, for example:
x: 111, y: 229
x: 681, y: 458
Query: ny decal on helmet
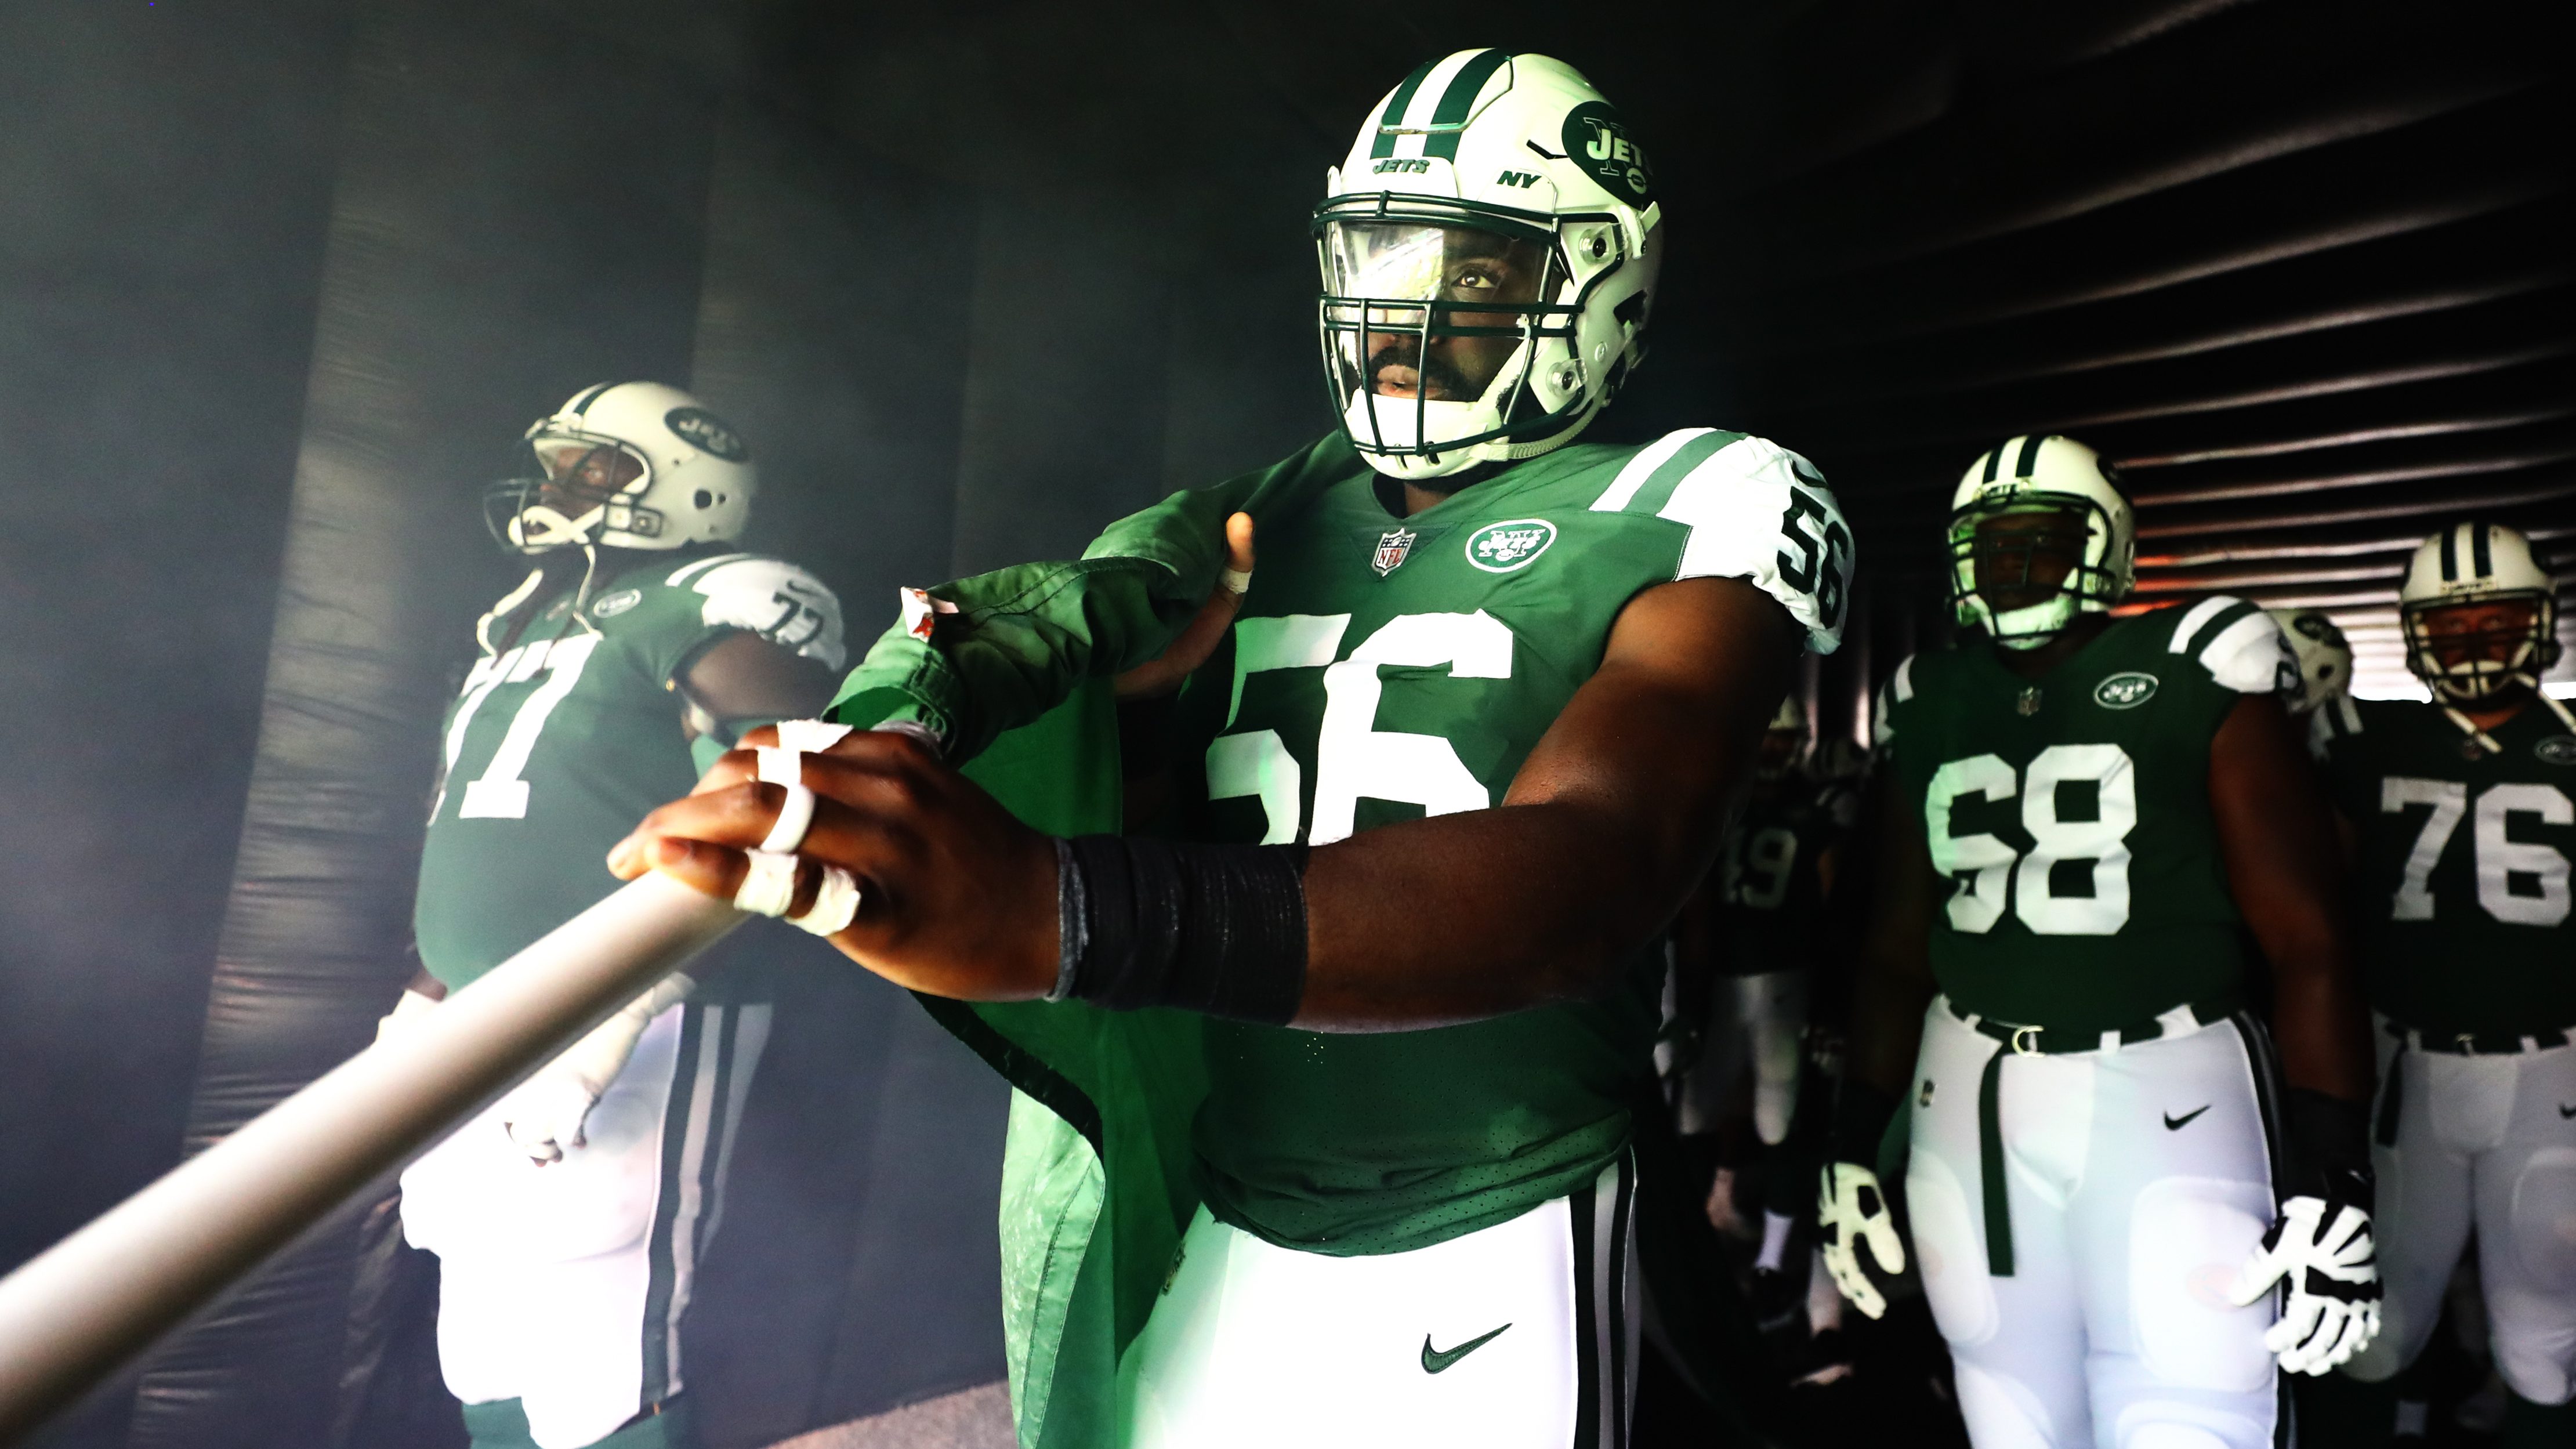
x: 2038, y: 474
x: 1488, y: 251
x: 2465, y: 566
x: 625, y: 465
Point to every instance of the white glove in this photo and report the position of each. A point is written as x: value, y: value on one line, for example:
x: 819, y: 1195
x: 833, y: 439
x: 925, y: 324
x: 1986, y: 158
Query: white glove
x: 405, y: 1015
x: 545, y: 1113
x: 2325, y: 1257
x: 1851, y: 1209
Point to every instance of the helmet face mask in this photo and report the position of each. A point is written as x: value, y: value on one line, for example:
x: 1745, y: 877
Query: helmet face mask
x: 1421, y: 317
x: 1487, y: 254
x: 2033, y: 550
x: 634, y: 465
x: 2479, y: 616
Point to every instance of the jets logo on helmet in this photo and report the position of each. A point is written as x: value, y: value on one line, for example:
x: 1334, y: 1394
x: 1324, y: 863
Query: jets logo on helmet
x: 1488, y: 250
x: 2479, y: 614
x: 2039, y: 533
x: 2323, y: 655
x: 625, y: 465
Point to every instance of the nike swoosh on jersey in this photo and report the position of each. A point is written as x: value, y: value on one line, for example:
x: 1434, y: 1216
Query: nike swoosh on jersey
x: 2176, y: 1124
x: 1434, y: 1360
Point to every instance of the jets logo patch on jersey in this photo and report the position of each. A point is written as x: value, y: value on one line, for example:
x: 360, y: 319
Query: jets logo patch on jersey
x: 2555, y: 750
x: 2125, y: 690
x: 1499, y: 548
x: 609, y: 606
x: 1391, y: 551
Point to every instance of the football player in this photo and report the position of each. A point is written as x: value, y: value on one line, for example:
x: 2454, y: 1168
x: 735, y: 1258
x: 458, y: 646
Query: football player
x: 2461, y: 814
x: 1466, y: 748
x: 1742, y: 947
x: 2083, y: 818
x: 568, y: 1218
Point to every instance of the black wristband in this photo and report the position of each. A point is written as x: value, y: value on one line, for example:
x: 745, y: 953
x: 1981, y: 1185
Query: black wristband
x: 1861, y: 1115
x: 2326, y: 1149
x: 1219, y: 929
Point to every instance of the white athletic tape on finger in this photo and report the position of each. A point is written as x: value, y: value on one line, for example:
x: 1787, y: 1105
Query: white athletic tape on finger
x: 812, y: 736
x: 836, y: 904
x: 1234, y: 581
x: 920, y: 733
x: 769, y: 888
x: 780, y: 765
x: 795, y: 817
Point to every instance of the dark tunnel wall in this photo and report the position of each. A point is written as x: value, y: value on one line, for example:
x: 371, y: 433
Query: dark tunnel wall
x: 976, y: 278
x: 158, y: 271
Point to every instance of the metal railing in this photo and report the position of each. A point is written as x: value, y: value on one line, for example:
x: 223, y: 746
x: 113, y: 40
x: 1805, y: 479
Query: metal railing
x: 73, y: 1315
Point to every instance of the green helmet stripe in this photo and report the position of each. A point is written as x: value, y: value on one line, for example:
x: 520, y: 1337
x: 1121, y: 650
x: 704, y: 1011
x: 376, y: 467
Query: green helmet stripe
x: 1460, y: 99
x: 1395, y: 108
x: 2028, y: 463
x: 581, y: 404
x: 2481, y: 556
x: 1995, y: 460
x: 2450, y: 555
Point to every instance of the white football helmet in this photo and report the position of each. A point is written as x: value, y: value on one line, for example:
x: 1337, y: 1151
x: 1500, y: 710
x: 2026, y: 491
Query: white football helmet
x: 2041, y: 473
x: 2324, y: 655
x: 2478, y: 563
x: 1489, y: 250
x: 1789, y: 719
x: 626, y: 465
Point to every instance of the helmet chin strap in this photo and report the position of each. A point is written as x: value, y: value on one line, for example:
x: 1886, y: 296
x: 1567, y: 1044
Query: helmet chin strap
x: 2469, y: 727
x: 551, y: 528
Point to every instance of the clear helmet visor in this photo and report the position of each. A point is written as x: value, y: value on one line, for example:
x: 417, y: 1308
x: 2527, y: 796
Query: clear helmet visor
x: 558, y: 494
x: 578, y: 472
x: 1431, y: 313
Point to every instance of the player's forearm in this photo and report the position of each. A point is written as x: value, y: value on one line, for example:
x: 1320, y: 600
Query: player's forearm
x: 2319, y: 1020
x: 1462, y: 917
x: 1887, y: 1022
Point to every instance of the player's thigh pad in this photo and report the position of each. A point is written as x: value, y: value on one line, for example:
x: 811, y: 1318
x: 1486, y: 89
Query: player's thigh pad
x: 1776, y: 1009
x: 2423, y: 1207
x: 477, y: 1193
x: 2527, y: 1200
x: 2178, y: 1185
x: 1254, y: 1345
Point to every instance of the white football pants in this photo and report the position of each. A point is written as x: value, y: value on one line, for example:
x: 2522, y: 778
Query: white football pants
x: 1517, y: 1336
x: 2487, y: 1142
x: 1758, y: 1021
x: 563, y: 1286
x: 2138, y: 1181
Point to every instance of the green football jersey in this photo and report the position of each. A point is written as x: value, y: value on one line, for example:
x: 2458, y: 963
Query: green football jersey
x: 2461, y: 896
x: 1770, y: 895
x: 1386, y: 669
x: 566, y: 735
x: 2071, y: 815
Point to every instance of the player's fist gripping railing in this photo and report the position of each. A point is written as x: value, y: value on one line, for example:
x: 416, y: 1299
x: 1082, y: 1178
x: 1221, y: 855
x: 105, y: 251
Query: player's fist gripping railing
x: 73, y: 1314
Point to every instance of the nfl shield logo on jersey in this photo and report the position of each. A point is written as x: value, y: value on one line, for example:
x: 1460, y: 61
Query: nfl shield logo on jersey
x: 1391, y: 550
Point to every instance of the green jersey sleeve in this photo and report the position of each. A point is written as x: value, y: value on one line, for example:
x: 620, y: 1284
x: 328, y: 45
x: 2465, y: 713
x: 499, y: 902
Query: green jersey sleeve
x: 996, y: 651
